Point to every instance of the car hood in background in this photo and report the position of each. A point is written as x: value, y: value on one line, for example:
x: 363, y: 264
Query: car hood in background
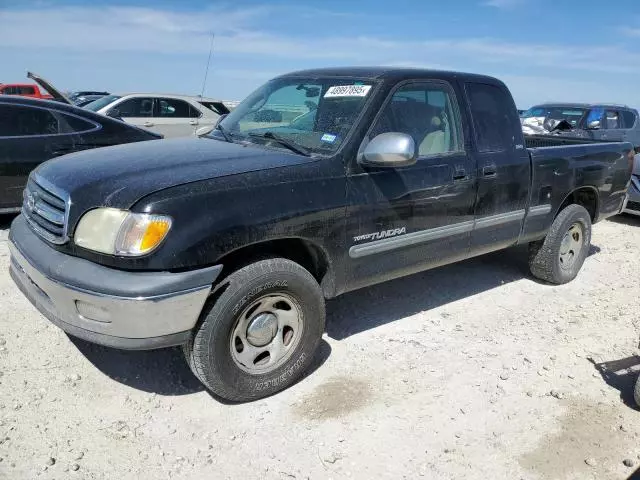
x: 56, y: 94
x: 119, y: 176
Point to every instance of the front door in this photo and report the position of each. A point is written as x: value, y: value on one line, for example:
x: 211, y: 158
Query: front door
x: 406, y: 219
x: 137, y: 111
x: 503, y: 168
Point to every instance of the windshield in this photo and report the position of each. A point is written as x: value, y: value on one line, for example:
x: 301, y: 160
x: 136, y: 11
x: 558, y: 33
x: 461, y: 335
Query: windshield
x: 101, y: 103
x: 570, y: 114
x: 313, y: 113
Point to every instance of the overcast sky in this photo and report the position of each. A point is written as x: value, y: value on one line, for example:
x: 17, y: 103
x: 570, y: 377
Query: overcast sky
x: 544, y: 49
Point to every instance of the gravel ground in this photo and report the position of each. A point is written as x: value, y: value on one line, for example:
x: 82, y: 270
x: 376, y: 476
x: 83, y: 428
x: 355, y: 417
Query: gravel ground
x: 469, y: 371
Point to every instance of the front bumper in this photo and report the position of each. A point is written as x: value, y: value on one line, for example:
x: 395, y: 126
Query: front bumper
x: 633, y: 197
x: 122, y: 309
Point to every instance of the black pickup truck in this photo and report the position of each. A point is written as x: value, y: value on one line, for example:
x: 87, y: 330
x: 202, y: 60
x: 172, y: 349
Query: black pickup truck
x: 319, y: 183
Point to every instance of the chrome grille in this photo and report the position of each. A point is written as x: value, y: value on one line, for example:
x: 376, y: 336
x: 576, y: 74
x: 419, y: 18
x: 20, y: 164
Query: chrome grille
x: 46, y: 209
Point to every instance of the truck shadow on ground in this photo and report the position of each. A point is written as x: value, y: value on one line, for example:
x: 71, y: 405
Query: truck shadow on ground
x: 621, y: 375
x: 626, y: 219
x: 164, y: 372
x: 368, y: 308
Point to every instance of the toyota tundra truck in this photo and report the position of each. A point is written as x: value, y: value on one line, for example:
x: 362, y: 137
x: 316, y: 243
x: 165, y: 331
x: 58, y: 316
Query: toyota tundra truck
x: 319, y: 183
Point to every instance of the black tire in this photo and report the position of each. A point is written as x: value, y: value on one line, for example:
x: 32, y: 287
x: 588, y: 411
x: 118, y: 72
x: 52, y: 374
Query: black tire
x: 544, y: 256
x: 636, y: 392
x: 209, y: 353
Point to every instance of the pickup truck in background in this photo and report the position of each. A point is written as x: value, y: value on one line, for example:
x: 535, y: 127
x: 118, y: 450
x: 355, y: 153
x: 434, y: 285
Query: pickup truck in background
x: 319, y: 183
x: 23, y: 90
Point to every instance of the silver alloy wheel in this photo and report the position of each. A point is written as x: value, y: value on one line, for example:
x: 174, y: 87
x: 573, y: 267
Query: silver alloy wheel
x: 571, y: 246
x: 266, y: 333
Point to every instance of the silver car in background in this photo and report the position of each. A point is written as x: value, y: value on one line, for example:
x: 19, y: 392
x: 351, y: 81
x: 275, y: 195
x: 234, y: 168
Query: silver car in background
x: 167, y: 114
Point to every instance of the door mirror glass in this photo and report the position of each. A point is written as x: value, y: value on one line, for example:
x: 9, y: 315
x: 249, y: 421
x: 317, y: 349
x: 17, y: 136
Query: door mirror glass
x: 391, y: 149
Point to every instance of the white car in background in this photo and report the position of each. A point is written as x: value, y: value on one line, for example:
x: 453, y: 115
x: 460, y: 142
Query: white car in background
x: 166, y: 114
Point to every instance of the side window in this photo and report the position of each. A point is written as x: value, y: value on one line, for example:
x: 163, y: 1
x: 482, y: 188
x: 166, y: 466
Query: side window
x: 494, y: 117
x: 72, y: 124
x: 172, y: 108
x: 136, y: 107
x: 426, y: 112
x: 612, y: 120
x: 26, y: 121
x: 629, y: 118
x: 26, y: 90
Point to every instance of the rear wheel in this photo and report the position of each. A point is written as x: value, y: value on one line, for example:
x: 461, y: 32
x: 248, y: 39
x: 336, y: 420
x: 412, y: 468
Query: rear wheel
x: 559, y: 257
x: 261, y: 333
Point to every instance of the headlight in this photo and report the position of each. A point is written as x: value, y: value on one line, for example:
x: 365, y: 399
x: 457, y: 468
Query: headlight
x: 119, y: 232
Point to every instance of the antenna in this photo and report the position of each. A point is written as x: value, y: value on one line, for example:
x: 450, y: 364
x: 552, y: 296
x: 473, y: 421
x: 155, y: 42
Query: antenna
x: 206, y: 72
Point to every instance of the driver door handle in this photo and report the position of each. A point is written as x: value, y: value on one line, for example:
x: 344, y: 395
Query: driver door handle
x: 148, y: 124
x: 193, y: 122
x: 459, y: 174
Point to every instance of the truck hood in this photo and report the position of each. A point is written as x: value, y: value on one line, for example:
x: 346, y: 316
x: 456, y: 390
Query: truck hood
x: 118, y: 176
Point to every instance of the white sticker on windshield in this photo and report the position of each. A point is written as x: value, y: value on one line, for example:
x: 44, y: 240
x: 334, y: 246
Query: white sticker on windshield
x: 347, y: 91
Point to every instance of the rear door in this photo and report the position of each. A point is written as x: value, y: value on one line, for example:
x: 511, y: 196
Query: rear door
x: 503, y: 167
x: 175, y: 117
x: 406, y: 219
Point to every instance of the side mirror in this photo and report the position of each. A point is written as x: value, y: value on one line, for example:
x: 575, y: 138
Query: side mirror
x: 220, y: 118
x: 202, y: 131
x: 390, y: 149
x: 594, y: 125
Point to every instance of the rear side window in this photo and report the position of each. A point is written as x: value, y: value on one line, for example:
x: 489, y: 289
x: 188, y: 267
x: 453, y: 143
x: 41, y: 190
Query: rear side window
x: 173, y: 108
x: 612, y: 120
x: 18, y: 120
x: 72, y: 124
x: 26, y: 90
x: 629, y: 118
x: 495, y: 118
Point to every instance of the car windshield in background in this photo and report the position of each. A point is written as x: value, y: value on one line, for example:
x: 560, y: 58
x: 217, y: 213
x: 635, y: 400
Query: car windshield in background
x: 315, y: 114
x: 101, y: 103
x: 570, y: 114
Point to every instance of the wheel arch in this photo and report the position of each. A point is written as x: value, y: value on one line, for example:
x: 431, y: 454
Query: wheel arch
x: 304, y: 252
x: 587, y: 197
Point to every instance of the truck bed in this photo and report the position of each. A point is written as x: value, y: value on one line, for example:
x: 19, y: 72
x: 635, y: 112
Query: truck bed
x: 597, y: 170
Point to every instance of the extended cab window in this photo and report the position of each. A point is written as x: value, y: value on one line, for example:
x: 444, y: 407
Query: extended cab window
x: 495, y: 117
x: 426, y: 112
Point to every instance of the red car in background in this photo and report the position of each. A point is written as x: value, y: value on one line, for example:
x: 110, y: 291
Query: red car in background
x: 23, y: 90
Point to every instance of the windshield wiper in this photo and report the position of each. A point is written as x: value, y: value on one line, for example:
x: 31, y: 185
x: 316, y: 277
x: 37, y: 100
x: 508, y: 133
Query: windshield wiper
x: 294, y: 147
x: 226, y: 135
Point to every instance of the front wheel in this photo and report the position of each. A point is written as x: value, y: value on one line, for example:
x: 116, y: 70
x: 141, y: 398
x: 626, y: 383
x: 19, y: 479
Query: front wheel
x: 559, y: 257
x: 261, y: 333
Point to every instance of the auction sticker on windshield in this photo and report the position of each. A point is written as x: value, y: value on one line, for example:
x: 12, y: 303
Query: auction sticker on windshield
x: 347, y: 91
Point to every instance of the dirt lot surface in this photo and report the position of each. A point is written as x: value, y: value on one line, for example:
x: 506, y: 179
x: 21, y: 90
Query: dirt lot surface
x: 469, y: 371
